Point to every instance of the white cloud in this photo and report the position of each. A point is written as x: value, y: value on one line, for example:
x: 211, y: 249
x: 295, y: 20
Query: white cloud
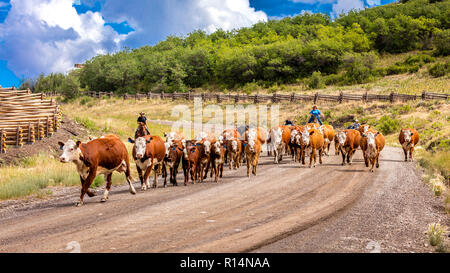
x: 344, y: 6
x: 154, y: 20
x: 3, y: 4
x: 372, y: 3
x: 49, y: 36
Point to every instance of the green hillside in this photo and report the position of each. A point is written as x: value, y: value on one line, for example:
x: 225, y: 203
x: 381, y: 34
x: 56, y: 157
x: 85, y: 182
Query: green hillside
x: 309, y: 48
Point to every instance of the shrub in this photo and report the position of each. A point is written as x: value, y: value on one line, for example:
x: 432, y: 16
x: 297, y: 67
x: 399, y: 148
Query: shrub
x: 435, y: 232
x: 332, y: 79
x: 388, y: 125
x: 439, y: 69
x: 316, y: 80
x: 84, y: 100
x: 442, y: 42
x: 396, y: 69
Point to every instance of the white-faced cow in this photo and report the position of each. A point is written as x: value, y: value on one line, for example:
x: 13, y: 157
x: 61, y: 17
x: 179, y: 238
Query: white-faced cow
x: 100, y: 156
x: 148, y: 153
x: 408, y: 138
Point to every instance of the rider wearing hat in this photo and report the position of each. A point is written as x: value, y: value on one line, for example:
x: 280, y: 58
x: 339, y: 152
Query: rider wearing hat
x: 142, y: 121
x: 315, y: 113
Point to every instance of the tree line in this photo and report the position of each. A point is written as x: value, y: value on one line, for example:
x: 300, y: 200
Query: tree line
x: 307, y: 47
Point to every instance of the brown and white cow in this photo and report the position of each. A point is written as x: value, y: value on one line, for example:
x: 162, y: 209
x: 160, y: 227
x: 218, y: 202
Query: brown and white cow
x: 408, y: 138
x: 286, y: 139
x: 148, y: 154
x: 349, y: 140
x: 372, y: 143
x: 217, y: 158
x: 205, y: 141
x: 192, y: 155
x: 172, y: 159
x: 234, y: 152
x: 252, y: 149
x: 337, y: 146
x: 328, y: 136
x: 316, y: 144
x: 363, y: 128
x: 295, y: 143
x: 230, y: 135
x: 103, y: 155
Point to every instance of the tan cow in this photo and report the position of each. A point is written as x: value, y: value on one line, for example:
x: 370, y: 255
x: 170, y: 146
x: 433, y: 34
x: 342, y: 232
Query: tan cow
x: 372, y: 143
x: 328, y: 136
x: 349, y: 140
x: 252, y: 149
x: 408, y: 138
x: 103, y: 155
x: 316, y: 144
x: 363, y: 128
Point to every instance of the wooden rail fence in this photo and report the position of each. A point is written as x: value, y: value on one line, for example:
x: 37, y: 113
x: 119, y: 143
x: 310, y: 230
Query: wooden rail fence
x: 26, y: 117
x: 275, y: 97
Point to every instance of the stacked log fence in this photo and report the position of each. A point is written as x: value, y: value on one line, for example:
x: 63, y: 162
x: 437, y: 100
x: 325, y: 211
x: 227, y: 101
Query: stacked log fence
x: 26, y: 117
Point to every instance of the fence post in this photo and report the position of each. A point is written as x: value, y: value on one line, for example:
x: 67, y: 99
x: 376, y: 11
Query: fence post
x: 341, y: 97
x: 162, y: 94
x: 218, y: 98
x: 292, y: 97
x: 365, y: 96
x: 391, y: 97
x: 18, y: 136
x: 274, y: 97
x: 2, y: 142
x: 316, y: 97
x: 424, y: 95
x: 29, y: 132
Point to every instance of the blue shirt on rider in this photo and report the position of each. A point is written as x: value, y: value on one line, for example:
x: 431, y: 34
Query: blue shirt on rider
x: 315, y: 112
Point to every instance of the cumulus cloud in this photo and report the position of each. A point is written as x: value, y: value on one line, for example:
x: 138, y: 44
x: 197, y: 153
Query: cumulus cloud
x: 344, y: 6
x: 313, y: 1
x: 154, y: 20
x: 49, y: 36
x: 372, y: 3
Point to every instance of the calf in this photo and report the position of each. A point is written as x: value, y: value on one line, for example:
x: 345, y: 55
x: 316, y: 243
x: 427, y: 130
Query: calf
x: 100, y: 156
x: 408, y: 138
x: 173, y: 159
x: 148, y: 153
x: 277, y: 144
x: 228, y: 135
x: 217, y: 159
x: 372, y: 143
x: 234, y: 152
x: 337, y: 147
x: 328, y: 136
x: 363, y: 128
x: 295, y: 142
x: 252, y: 149
x: 316, y: 143
x: 185, y: 159
x: 349, y: 140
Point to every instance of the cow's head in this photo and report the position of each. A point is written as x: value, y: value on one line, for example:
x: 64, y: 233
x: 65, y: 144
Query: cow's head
x: 140, y: 143
x: 407, y: 134
x: 71, y: 151
x: 341, y: 136
x: 185, y: 152
x: 365, y: 128
x: 216, y: 147
x: 370, y: 139
x: 294, y: 133
x: 252, y: 140
x: 167, y: 146
x: 207, y: 147
x: 234, y: 145
x: 276, y: 136
x: 305, y: 137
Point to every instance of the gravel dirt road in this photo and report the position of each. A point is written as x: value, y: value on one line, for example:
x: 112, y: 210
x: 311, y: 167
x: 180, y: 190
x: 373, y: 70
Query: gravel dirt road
x: 285, y: 208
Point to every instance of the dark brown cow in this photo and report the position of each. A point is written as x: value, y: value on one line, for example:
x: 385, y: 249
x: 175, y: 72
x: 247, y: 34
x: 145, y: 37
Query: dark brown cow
x: 372, y: 143
x: 408, y: 138
x: 100, y: 156
x: 193, y: 154
x: 349, y: 140
x: 148, y: 154
x: 173, y: 159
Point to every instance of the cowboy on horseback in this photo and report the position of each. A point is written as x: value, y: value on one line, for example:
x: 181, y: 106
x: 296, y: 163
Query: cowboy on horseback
x: 315, y: 115
x: 142, y: 129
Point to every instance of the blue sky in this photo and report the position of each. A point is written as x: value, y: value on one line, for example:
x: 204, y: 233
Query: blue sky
x: 44, y: 36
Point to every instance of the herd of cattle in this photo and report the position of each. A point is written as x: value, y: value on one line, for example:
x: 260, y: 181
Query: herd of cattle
x: 209, y: 153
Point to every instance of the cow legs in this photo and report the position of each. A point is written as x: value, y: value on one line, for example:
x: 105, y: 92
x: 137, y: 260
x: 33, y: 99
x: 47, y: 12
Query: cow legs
x: 312, y: 157
x: 254, y: 164
x: 320, y: 155
x: 87, y: 183
x: 411, y: 150
x: 406, y: 154
x: 156, y: 172
x: 89, y: 192
x: 128, y: 177
x: 141, y: 178
x: 343, y: 156
x: 303, y: 155
x: 108, y: 187
x: 146, y: 184
x: 248, y: 165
